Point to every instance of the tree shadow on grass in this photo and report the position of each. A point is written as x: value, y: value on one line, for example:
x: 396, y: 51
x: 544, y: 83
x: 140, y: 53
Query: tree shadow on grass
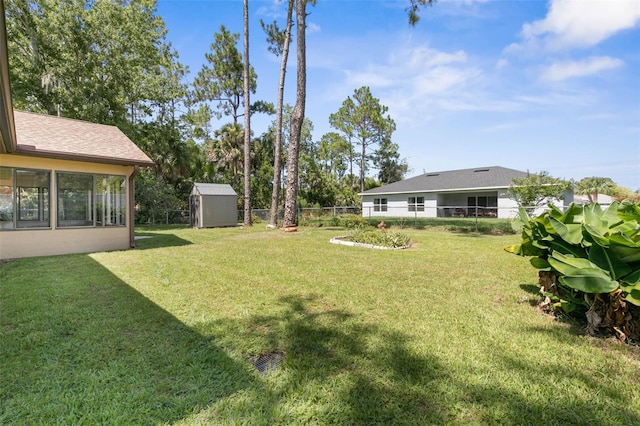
x: 83, y: 347
x: 340, y: 370
x: 152, y: 240
x: 337, y: 370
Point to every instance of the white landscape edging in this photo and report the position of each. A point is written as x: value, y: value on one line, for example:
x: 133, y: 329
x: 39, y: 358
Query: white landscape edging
x: 341, y: 241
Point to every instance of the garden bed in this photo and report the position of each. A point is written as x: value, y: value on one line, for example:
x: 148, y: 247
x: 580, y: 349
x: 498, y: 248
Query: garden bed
x: 343, y: 241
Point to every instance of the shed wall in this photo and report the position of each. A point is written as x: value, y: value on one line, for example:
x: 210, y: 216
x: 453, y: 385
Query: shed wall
x: 218, y: 211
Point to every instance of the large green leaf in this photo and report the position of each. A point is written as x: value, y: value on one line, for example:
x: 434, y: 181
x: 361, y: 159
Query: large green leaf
x: 566, y: 265
x: 629, y: 211
x: 631, y: 279
x: 624, y: 240
x: 539, y: 263
x: 575, y: 261
x: 633, y: 297
x: 571, y: 233
x: 595, y: 235
x: 609, y: 261
x: 573, y: 214
x: 589, y: 283
x: 561, y: 246
x: 610, y: 215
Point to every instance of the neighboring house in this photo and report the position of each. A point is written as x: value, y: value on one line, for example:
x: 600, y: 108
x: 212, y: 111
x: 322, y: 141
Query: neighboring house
x: 603, y: 199
x: 213, y: 205
x: 483, y: 191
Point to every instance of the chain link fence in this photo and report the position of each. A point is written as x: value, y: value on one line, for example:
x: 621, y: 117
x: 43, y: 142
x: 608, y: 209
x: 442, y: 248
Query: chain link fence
x: 163, y: 217
x: 449, y: 216
x: 306, y: 215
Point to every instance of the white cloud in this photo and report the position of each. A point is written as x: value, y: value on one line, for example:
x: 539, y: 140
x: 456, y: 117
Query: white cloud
x: 499, y: 127
x: 578, y: 24
x: 424, y: 57
x: 371, y: 78
x: 502, y: 63
x: 571, y: 69
x: 411, y: 80
x: 312, y: 28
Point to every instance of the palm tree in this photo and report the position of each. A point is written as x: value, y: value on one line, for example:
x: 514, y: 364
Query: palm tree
x: 592, y: 186
x: 226, y: 150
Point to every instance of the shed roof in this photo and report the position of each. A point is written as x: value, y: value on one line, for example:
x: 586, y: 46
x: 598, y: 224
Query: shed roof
x: 214, y: 189
x: 475, y: 179
x: 58, y: 137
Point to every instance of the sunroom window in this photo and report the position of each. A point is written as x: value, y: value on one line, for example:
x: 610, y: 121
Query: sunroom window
x: 91, y: 200
x: 24, y: 198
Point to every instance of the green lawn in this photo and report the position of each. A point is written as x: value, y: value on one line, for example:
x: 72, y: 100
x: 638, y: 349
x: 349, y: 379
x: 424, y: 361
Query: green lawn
x: 443, y: 333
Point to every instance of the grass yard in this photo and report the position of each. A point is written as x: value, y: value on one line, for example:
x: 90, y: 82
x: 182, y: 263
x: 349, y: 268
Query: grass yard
x: 443, y: 333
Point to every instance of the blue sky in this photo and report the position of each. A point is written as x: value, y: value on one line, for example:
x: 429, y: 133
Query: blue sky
x: 531, y: 85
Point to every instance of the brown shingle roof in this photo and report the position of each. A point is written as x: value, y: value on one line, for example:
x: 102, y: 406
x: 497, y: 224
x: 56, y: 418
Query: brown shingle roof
x: 51, y: 136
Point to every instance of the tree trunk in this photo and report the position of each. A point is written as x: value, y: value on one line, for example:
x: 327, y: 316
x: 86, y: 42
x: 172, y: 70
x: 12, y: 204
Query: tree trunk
x: 297, y: 118
x: 363, y: 162
x: 247, y: 121
x: 275, y: 196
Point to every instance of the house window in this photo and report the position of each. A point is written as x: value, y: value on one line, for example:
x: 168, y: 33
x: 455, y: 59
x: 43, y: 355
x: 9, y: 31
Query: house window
x: 110, y: 200
x: 379, y: 204
x: 416, y: 204
x: 91, y: 200
x: 24, y: 198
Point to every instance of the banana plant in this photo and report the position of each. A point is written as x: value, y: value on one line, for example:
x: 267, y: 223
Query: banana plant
x: 589, y: 249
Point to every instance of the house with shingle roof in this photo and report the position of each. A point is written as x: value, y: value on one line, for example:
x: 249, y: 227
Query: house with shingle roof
x: 482, y: 191
x: 66, y: 186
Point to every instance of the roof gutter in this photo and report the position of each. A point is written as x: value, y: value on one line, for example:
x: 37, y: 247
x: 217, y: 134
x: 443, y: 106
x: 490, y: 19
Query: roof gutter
x: 31, y: 151
x: 132, y: 210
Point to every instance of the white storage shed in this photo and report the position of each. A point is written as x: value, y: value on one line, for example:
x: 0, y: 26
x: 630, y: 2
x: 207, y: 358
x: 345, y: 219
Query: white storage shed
x: 213, y: 205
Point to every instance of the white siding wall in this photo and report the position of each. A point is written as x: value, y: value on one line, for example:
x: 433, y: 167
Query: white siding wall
x: 398, y: 205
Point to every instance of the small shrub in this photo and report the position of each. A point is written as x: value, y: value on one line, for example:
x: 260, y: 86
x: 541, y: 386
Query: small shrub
x: 376, y: 237
x: 351, y: 221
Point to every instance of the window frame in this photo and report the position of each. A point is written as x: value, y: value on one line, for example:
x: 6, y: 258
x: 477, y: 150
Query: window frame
x: 380, y: 204
x: 103, y: 208
x: 415, y: 204
x: 19, y: 199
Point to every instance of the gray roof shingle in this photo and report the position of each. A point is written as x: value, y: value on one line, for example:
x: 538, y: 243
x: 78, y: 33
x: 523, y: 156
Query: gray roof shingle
x: 58, y: 137
x: 477, y: 178
x: 214, y: 189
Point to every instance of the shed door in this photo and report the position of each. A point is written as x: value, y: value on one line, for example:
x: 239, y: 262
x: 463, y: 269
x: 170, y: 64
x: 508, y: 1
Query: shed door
x: 194, y: 211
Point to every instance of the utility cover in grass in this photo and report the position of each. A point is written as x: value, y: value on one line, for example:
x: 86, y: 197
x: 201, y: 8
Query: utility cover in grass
x: 269, y: 361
